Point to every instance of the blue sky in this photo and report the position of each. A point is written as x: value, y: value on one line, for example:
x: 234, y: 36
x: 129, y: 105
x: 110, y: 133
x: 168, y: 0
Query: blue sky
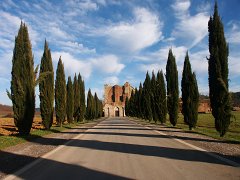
x: 114, y: 41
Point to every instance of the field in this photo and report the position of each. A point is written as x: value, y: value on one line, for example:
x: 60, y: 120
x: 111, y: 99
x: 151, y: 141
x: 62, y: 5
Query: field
x: 9, y: 135
x: 205, y: 125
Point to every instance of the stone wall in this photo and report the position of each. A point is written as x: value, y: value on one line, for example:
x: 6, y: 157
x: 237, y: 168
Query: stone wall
x: 114, y: 99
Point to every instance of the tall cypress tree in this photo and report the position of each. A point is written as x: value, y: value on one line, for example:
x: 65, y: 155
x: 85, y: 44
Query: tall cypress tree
x: 140, y: 91
x: 70, y: 100
x: 190, y: 95
x: 172, y: 88
x: 153, y: 97
x: 96, y: 103
x: 60, y: 93
x: 90, y: 106
x: 23, y: 82
x: 161, y: 107
x: 46, y: 88
x: 82, y: 97
x: 76, y: 108
x: 218, y: 74
x: 147, y: 98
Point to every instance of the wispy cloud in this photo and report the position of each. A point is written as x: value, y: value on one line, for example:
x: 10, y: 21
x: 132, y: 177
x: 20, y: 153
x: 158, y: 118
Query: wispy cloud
x: 141, y: 32
x: 190, y: 29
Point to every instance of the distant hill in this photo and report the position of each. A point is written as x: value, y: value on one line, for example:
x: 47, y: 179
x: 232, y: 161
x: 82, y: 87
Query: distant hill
x: 4, y: 110
x: 236, y: 99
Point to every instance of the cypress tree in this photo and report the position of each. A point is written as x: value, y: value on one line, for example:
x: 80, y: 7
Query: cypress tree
x: 90, y: 106
x: 140, y: 114
x: 127, y: 107
x: 172, y: 88
x: 96, y: 103
x: 147, y: 98
x: 190, y: 95
x: 70, y: 100
x: 46, y: 88
x: 60, y: 93
x: 76, y: 108
x: 161, y: 101
x: 23, y: 82
x: 82, y: 98
x: 79, y: 97
x: 218, y: 74
x: 153, y: 97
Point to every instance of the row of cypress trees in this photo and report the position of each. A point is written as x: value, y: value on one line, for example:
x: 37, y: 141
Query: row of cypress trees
x: 151, y: 102
x: 94, y: 106
x: 69, y: 99
x: 220, y: 99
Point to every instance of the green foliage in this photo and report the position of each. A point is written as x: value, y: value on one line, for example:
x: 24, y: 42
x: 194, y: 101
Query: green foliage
x: 161, y: 99
x: 153, y: 96
x: 146, y: 94
x: 82, y: 102
x: 76, y: 108
x: 60, y: 93
x: 172, y: 88
x: 218, y: 74
x: 90, y: 111
x: 190, y: 95
x: 46, y: 88
x: 70, y: 100
x: 23, y: 82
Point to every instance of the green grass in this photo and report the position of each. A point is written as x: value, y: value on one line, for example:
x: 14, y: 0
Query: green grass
x: 205, y: 125
x: 7, y: 141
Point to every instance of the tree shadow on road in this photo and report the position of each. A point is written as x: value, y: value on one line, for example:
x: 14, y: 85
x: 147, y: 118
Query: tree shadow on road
x: 53, y: 170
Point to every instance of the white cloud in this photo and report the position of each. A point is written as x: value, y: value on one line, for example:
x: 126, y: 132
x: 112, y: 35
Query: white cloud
x: 75, y: 47
x: 99, y: 92
x: 108, y: 64
x: 142, y: 32
x: 151, y: 67
x: 233, y: 36
x: 72, y: 65
x: 181, y: 6
x: 190, y: 29
x: 111, y: 80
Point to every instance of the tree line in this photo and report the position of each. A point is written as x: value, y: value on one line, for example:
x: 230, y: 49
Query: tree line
x: 70, y: 103
x: 152, y: 101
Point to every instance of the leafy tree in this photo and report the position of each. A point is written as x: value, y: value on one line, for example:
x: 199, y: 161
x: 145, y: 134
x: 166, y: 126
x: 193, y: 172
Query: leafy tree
x: 190, y: 95
x: 46, y: 88
x: 153, y: 97
x: 218, y: 74
x: 76, y: 113
x: 161, y: 103
x: 82, y: 98
x: 140, y: 91
x: 96, y: 104
x: 127, y: 107
x: 70, y: 100
x: 60, y: 93
x: 147, y: 98
x: 172, y: 88
x: 90, y: 106
x: 23, y: 82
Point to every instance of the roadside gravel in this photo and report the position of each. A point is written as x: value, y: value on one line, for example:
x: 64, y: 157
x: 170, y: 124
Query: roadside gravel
x: 15, y: 157
x: 222, y: 148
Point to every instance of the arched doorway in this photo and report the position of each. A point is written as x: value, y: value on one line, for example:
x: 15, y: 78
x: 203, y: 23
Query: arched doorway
x: 117, y: 112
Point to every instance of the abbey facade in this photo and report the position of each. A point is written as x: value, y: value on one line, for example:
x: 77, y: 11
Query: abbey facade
x: 114, y: 99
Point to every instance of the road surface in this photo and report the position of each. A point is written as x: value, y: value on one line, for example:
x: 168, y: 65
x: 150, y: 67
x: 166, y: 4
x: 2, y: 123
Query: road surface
x: 120, y: 149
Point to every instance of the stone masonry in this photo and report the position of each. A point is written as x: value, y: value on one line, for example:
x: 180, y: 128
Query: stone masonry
x: 114, y: 99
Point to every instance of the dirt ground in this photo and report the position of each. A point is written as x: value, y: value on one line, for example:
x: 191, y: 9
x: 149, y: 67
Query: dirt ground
x: 7, y: 126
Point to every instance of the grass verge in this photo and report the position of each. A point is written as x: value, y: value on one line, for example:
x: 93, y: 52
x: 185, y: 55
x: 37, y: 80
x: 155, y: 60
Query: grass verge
x: 7, y: 141
x: 206, y: 126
